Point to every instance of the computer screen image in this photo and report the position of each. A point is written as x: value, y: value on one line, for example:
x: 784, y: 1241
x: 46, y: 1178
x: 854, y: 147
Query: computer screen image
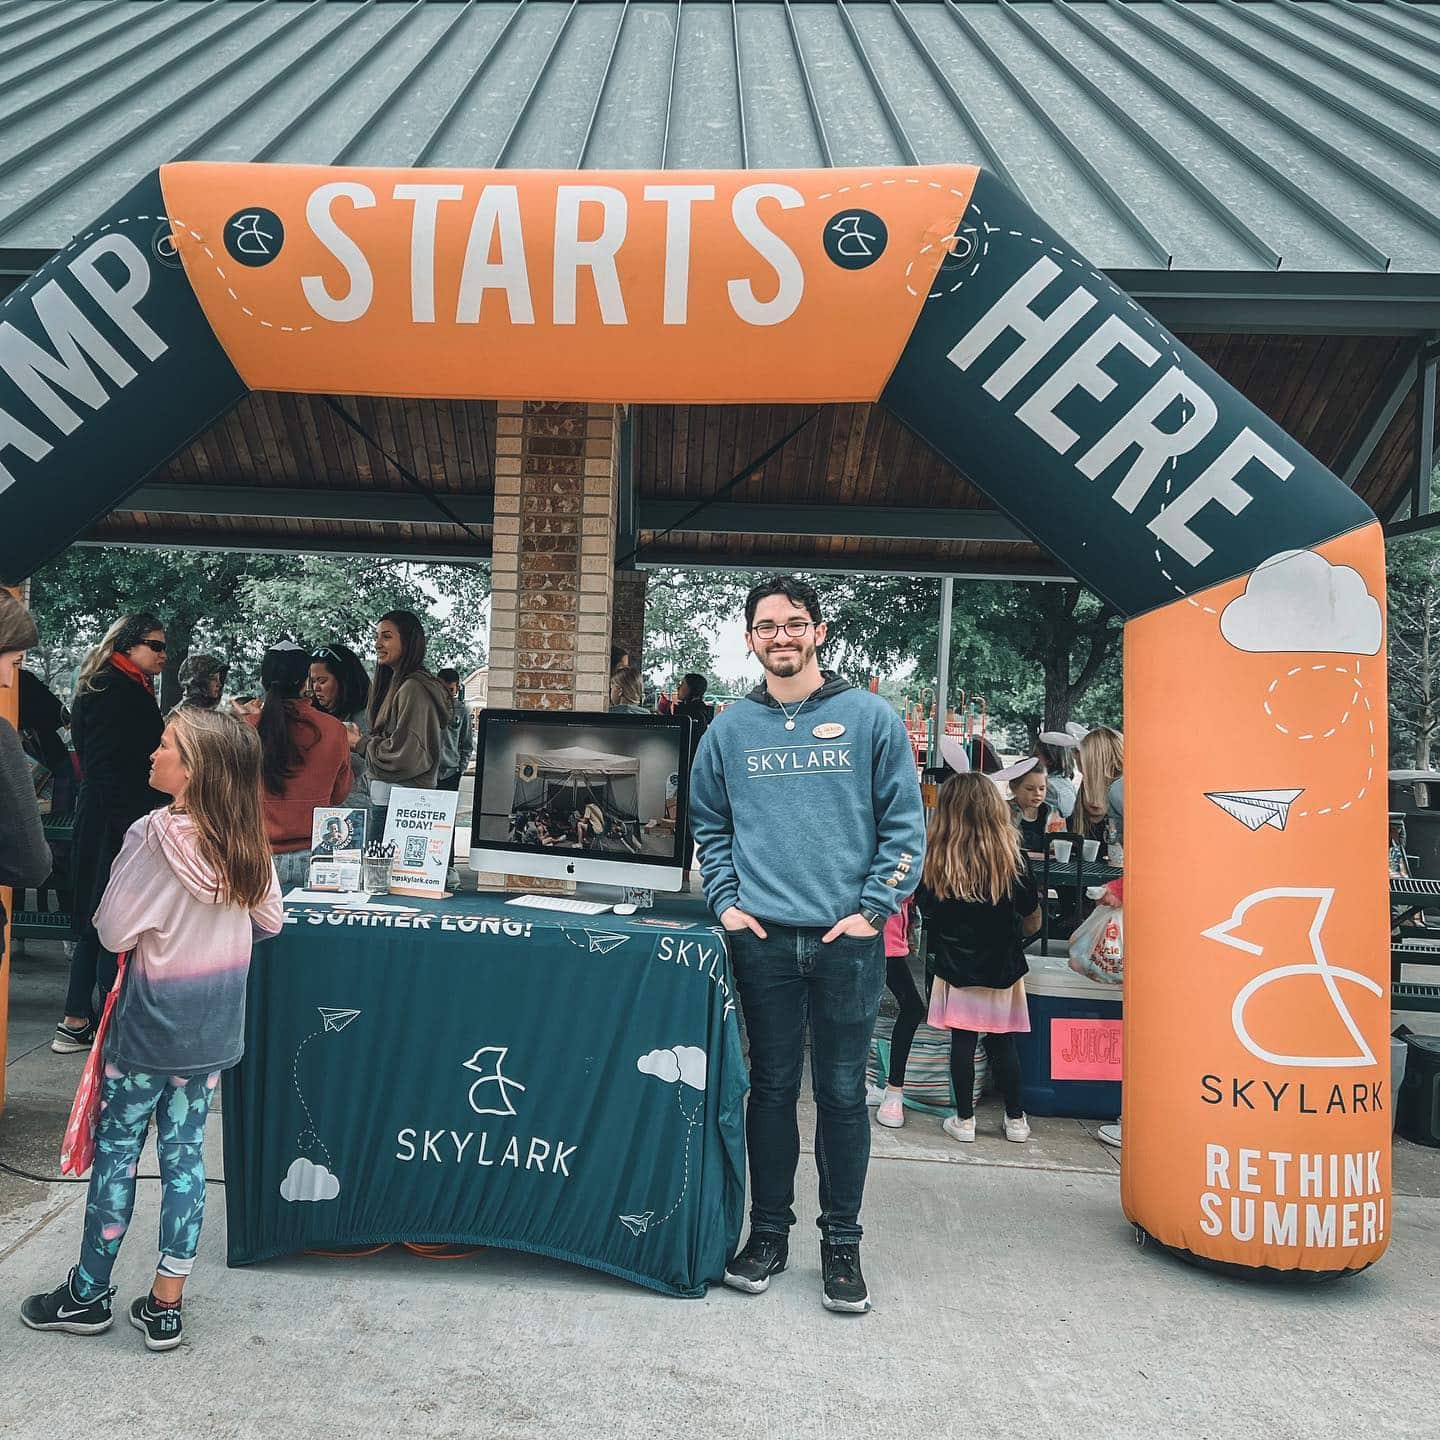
x: 579, y: 796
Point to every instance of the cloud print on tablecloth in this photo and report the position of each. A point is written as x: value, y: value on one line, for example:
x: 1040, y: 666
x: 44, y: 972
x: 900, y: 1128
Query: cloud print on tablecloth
x: 685, y: 1063
x: 305, y: 1180
x: 1298, y: 601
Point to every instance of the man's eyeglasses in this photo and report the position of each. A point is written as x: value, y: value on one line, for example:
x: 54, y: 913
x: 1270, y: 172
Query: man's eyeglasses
x: 768, y: 629
x: 158, y: 646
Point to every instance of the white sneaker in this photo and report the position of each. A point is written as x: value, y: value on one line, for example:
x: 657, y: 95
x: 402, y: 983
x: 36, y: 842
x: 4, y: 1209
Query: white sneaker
x: 891, y: 1113
x: 874, y: 1094
x: 958, y: 1129
x: 1109, y: 1135
x: 1017, y: 1130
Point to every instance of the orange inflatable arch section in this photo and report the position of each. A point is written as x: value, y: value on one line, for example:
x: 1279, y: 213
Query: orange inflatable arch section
x: 1256, y: 1095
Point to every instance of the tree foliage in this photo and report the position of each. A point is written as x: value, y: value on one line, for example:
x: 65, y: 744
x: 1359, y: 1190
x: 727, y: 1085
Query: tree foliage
x: 1413, y: 614
x: 235, y: 603
x: 1038, y: 654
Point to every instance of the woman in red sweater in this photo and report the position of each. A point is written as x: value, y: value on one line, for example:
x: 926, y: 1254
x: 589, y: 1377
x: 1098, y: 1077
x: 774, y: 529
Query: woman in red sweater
x: 305, y: 759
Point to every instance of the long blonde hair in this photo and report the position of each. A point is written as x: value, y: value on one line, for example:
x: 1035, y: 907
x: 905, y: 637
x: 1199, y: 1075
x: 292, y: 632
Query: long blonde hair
x: 222, y: 754
x: 625, y: 687
x: 125, y: 634
x: 1102, y: 762
x: 973, y: 849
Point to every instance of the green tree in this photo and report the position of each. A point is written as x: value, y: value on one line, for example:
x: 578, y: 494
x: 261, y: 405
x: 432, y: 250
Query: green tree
x: 684, y: 609
x: 1036, y: 653
x: 322, y: 598
x: 1413, y: 614
x: 234, y: 603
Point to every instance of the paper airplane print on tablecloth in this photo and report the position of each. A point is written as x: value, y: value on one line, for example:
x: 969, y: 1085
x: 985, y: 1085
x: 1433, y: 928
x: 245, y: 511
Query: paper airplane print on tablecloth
x: 336, y: 1019
x: 602, y: 942
x: 637, y: 1224
x: 1255, y: 809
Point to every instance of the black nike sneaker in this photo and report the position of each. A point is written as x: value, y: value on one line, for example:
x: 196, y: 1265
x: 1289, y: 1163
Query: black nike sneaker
x: 764, y: 1255
x: 161, y: 1324
x: 844, y: 1284
x: 63, y: 1310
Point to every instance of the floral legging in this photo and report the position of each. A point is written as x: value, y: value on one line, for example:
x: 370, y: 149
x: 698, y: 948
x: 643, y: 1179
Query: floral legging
x: 127, y: 1100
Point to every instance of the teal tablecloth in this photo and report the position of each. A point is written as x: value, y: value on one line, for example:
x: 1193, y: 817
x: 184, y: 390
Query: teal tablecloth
x: 480, y: 1074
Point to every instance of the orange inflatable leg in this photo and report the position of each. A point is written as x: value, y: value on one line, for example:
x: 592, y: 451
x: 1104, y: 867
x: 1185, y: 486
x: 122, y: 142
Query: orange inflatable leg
x: 1257, y: 1100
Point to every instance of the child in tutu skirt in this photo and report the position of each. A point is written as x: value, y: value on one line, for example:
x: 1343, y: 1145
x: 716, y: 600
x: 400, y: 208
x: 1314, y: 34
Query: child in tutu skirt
x: 979, y: 905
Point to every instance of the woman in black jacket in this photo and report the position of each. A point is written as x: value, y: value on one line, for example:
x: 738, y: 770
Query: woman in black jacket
x: 116, y: 727
x: 24, y: 855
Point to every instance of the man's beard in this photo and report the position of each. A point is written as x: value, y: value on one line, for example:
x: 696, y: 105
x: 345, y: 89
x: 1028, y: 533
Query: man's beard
x: 788, y: 665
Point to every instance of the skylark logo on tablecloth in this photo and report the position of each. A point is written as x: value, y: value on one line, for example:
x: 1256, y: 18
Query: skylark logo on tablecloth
x: 490, y: 1094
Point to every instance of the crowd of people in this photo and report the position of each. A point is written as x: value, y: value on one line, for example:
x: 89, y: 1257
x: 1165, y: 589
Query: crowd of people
x: 329, y: 736
x: 186, y: 827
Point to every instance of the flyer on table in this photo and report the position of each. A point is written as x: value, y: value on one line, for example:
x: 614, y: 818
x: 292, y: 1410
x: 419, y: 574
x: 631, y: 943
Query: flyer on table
x: 337, y: 837
x: 421, y: 825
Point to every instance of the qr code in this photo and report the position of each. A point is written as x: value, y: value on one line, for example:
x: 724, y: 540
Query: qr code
x: 415, y: 846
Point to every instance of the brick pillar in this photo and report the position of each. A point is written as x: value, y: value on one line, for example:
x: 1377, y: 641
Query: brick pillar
x: 628, y: 626
x: 552, y: 579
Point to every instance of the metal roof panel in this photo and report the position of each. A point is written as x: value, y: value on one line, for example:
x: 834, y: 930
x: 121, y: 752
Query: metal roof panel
x: 1207, y: 135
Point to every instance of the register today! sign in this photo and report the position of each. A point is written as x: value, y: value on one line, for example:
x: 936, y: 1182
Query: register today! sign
x: 421, y: 826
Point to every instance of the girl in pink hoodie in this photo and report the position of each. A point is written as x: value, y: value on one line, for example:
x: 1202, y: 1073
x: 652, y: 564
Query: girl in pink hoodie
x: 191, y: 890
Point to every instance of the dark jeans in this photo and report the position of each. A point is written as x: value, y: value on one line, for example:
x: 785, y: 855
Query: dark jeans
x: 1004, y: 1067
x: 448, y: 782
x: 786, y: 981
x: 901, y: 984
x: 91, y: 965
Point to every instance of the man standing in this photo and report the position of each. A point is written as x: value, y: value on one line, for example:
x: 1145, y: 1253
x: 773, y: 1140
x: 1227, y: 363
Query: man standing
x: 457, y: 740
x: 807, y: 811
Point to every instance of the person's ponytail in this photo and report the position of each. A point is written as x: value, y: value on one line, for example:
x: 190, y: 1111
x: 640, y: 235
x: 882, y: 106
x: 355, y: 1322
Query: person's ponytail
x: 282, y: 674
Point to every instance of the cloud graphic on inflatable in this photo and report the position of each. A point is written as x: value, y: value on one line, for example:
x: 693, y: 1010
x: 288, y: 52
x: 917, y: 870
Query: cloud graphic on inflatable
x: 1299, y: 601
x: 685, y: 1063
x: 305, y: 1180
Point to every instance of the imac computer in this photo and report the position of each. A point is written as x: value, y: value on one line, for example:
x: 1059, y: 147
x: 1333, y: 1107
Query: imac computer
x: 598, y: 798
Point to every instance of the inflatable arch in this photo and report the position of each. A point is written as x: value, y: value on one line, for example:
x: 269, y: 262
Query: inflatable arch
x: 1257, y: 1127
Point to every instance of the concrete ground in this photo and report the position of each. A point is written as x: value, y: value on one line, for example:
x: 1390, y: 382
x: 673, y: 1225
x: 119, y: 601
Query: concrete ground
x: 1010, y: 1300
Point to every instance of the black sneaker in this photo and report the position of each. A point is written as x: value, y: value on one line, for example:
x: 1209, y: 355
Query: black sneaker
x: 844, y: 1284
x: 764, y: 1255
x: 61, y: 1309
x: 69, y: 1042
x: 161, y: 1323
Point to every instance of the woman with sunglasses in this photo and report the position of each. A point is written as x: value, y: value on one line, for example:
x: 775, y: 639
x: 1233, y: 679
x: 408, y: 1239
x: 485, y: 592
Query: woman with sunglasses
x: 116, y: 725
x: 340, y: 687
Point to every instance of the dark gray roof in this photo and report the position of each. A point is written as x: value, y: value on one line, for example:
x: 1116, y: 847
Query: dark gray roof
x: 1222, y: 135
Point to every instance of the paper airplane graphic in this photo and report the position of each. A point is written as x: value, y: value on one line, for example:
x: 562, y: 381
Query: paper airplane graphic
x: 1256, y: 808
x: 336, y: 1019
x: 637, y: 1224
x: 602, y: 942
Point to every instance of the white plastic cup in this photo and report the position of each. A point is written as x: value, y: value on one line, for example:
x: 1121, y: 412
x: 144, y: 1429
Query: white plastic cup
x: 1060, y: 850
x: 1092, y: 851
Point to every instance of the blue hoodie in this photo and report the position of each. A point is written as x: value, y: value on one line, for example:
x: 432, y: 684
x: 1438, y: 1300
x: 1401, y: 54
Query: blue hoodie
x: 805, y: 828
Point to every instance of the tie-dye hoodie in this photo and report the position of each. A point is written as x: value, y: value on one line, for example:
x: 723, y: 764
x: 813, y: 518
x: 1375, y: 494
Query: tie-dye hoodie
x: 181, y: 1009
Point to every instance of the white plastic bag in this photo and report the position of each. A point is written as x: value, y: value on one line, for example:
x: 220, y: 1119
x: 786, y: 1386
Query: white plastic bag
x: 1097, y: 948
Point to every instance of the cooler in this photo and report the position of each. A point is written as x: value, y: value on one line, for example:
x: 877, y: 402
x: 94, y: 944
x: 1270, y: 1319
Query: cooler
x: 1070, y: 1060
